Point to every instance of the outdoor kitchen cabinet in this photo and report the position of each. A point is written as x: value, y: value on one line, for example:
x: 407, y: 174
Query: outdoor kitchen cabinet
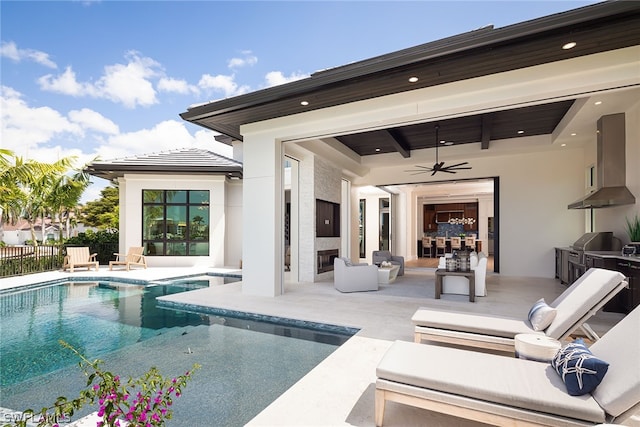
x: 628, y: 298
x: 562, y: 265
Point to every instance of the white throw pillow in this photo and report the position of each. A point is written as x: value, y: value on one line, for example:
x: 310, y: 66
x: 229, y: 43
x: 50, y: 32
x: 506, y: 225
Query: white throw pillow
x: 541, y: 315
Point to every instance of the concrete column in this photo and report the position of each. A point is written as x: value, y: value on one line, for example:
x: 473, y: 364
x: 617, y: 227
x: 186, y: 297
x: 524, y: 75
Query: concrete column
x: 262, y: 216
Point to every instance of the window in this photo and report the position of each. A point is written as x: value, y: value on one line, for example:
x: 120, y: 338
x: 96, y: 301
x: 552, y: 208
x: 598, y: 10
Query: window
x: 175, y: 222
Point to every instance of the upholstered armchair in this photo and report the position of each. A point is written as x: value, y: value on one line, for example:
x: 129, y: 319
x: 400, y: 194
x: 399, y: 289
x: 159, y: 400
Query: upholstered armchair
x: 379, y: 256
x: 460, y: 285
x: 349, y: 277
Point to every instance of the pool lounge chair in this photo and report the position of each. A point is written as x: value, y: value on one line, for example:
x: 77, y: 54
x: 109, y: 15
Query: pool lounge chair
x: 506, y: 391
x: 573, y: 307
x: 132, y: 258
x: 79, y: 257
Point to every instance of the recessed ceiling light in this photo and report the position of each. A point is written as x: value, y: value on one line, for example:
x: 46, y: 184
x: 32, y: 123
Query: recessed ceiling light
x: 597, y: 103
x: 305, y: 103
x: 520, y: 132
x: 442, y: 141
x: 377, y: 150
x: 563, y: 145
x: 569, y: 45
x: 573, y: 134
x: 448, y: 143
x: 413, y: 79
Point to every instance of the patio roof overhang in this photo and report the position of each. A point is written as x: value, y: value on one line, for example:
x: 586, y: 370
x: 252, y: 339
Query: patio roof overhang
x: 182, y: 161
x: 596, y: 28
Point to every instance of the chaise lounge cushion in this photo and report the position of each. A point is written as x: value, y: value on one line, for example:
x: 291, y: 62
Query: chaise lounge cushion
x: 521, y: 383
x: 579, y: 369
x: 496, y: 326
x: 587, y: 291
x: 619, y: 390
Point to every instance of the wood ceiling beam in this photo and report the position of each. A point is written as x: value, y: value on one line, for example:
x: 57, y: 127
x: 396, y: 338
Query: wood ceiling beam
x: 400, y: 143
x: 487, y: 121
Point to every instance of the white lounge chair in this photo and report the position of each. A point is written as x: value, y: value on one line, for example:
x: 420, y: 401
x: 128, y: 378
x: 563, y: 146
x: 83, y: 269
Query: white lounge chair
x: 573, y: 307
x: 79, y: 257
x: 504, y: 391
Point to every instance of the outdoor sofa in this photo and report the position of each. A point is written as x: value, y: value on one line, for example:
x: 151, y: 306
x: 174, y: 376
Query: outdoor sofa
x: 570, y: 311
x: 505, y: 391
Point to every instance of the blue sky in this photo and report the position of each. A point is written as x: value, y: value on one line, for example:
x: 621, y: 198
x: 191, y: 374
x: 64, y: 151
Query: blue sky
x: 109, y: 78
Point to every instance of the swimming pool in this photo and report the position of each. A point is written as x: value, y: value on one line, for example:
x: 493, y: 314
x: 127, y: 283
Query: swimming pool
x: 246, y: 364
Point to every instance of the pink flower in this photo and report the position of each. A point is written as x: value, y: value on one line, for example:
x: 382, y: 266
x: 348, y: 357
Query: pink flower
x: 96, y: 387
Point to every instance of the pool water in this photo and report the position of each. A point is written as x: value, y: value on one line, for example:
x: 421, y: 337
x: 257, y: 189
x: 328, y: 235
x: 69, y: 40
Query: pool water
x: 245, y: 364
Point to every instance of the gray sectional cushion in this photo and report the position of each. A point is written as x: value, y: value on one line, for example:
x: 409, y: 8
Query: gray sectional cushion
x: 620, y: 388
x: 581, y: 297
x: 474, y: 323
x: 508, y: 381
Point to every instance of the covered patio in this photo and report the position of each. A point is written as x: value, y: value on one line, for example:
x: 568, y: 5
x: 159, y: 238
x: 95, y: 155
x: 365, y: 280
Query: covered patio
x: 519, y: 103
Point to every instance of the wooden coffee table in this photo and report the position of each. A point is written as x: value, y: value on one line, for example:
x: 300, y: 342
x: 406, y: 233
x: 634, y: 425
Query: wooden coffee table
x: 441, y: 272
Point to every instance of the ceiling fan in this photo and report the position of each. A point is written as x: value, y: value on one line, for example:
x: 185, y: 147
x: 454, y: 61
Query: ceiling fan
x: 439, y: 166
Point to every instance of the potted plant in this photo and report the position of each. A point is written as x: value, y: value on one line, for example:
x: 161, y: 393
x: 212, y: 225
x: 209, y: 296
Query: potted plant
x: 633, y: 229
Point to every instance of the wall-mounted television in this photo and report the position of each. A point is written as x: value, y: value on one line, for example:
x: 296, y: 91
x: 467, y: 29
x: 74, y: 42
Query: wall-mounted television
x: 327, y: 219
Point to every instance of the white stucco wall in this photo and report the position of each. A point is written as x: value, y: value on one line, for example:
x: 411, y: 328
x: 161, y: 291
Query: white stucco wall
x: 131, y: 186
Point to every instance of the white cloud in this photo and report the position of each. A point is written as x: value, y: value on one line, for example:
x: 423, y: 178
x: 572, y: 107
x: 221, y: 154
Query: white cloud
x: 222, y: 83
x: 89, y: 119
x: 247, y: 61
x: 34, y: 131
x: 275, y: 78
x: 24, y: 127
x: 127, y: 84
x: 165, y: 136
x: 10, y: 50
x: 167, y: 84
x: 66, y: 84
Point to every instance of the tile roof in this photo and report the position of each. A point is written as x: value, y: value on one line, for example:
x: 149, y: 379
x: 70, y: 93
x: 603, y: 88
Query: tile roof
x: 182, y: 160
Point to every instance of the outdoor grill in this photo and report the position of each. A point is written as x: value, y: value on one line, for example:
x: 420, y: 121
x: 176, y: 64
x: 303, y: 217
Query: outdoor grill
x: 599, y: 241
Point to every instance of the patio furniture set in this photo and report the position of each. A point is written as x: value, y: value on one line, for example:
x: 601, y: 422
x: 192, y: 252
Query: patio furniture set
x: 79, y: 257
x: 551, y: 382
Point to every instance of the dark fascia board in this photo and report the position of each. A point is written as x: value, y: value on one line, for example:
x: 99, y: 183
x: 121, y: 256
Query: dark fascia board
x: 111, y: 171
x: 451, y: 45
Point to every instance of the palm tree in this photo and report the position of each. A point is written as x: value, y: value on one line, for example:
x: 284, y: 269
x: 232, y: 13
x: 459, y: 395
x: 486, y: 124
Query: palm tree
x: 25, y: 187
x: 64, y: 198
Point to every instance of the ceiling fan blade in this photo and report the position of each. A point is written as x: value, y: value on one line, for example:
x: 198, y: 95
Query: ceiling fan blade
x: 447, y: 170
x: 458, y: 164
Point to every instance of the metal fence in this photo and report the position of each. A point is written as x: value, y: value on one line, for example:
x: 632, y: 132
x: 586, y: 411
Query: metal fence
x: 21, y: 260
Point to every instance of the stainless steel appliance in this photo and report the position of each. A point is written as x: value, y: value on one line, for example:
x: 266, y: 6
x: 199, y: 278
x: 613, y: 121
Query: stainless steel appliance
x: 598, y: 241
x: 611, y: 164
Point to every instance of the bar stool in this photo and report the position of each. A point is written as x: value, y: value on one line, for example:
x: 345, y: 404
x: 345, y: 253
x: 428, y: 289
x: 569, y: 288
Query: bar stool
x: 426, y: 246
x: 470, y: 243
x: 441, y: 245
x: 456, y: 243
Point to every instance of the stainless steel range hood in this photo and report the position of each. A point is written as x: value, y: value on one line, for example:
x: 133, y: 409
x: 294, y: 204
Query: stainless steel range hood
x: 610, y: 168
